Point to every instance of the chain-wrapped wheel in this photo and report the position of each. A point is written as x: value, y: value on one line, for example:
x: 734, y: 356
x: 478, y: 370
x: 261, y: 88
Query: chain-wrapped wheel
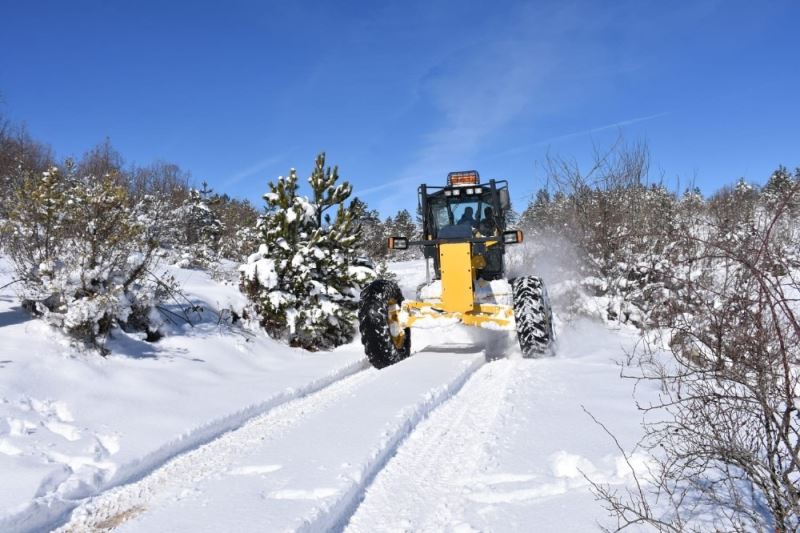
x: 533, y: 316
x: 385, y: 341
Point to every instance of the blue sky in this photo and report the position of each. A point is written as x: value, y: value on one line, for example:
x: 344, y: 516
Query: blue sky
x: 399, y: 93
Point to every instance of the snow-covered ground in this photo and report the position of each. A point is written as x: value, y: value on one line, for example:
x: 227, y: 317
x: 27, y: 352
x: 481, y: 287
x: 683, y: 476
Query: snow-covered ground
x: 73, y: 424
x: 213, y: 430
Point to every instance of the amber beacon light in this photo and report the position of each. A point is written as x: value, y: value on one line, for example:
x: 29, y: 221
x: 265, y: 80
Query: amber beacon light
x: 469, y: 177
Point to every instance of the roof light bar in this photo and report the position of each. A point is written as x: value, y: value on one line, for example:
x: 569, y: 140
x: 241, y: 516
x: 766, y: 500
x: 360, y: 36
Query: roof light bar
x: 469, y: 177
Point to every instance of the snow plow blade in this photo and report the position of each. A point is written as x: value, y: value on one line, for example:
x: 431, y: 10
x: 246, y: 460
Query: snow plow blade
x: 425, y: 315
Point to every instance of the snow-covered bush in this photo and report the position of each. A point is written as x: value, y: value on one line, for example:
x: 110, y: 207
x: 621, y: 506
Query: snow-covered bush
x: 715, y: 284
x: 83, y: 253
x: 305, y: 280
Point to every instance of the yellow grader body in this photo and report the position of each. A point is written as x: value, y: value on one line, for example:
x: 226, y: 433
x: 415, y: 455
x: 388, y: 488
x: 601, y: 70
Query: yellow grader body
x: 457, y: 302
x: 464, y: 236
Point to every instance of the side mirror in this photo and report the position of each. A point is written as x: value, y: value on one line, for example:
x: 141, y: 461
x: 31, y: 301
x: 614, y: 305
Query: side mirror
x: 505, y: 199
x: 513, y: 236
x: 398, y: 243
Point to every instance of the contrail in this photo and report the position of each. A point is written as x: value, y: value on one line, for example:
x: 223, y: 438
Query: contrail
x: 256, y: 167
x: 559, y: 138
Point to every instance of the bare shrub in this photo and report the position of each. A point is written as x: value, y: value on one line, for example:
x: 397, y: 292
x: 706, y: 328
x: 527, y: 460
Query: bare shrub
x: 725, y: 436
x: 620, y: 225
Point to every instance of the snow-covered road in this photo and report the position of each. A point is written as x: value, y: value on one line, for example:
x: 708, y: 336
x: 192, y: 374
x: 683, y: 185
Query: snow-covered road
x: 443, y: 441
x: 302, y: 466
x: 445, y: 452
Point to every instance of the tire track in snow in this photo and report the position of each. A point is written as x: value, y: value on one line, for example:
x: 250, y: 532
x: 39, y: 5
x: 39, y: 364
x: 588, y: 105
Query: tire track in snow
x: 423, y: 487
x: 53, y: 510
x: 197, y: 488
x: 336, y: 516
x: 114, y: 507
x: 326, y: 461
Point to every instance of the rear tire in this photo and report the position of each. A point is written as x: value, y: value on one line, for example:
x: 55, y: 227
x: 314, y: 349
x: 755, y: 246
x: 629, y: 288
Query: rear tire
x: 379, y: 302
x: 533, y: 316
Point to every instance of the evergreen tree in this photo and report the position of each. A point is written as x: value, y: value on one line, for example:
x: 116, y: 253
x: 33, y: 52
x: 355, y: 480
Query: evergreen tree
x: 202, y: 229
x: 512, y: 218
x: 206, y: 192
x: 373, y: 232
x: 304, y: 281
x: 403, y: 225
x: 779, y: 189
x: 535, y: 217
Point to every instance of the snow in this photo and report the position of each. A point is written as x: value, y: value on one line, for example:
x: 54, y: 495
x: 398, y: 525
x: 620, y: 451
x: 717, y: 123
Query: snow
x: 260, y: 267
x: 219, y: 428
x: 310, y: 471
x: 73, y: 424
x: 509, y: 451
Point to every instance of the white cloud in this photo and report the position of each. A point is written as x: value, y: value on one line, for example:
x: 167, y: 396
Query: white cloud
x: 507, y: 73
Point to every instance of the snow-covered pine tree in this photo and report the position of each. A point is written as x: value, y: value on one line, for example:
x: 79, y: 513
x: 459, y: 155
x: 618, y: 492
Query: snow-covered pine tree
x: 201, y: 229
x: 373, y: 232
x: 779, y: 190
x: 303, y: 281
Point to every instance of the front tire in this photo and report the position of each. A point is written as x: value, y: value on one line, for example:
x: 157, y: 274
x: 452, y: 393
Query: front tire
x: 385, y: 342
x: 533, y: 316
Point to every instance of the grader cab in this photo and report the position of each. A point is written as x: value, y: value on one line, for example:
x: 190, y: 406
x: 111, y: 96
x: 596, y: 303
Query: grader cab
x: 464, y: 240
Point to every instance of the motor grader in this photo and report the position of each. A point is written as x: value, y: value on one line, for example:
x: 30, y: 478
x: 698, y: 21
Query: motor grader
x: 464, y: 240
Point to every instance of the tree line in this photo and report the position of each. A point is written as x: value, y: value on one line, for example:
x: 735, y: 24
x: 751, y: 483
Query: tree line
x: 85, y: 236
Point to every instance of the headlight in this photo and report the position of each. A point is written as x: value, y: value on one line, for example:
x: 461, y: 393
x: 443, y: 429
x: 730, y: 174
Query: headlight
x: 513, y: 236
x: 398, y: 243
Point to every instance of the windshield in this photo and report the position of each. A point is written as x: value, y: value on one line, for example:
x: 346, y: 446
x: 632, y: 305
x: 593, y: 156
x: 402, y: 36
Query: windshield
x: 462, y: 217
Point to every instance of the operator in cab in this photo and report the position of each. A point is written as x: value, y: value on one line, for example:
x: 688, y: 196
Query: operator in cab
x: 467, y: 217
x: 487, y: 224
